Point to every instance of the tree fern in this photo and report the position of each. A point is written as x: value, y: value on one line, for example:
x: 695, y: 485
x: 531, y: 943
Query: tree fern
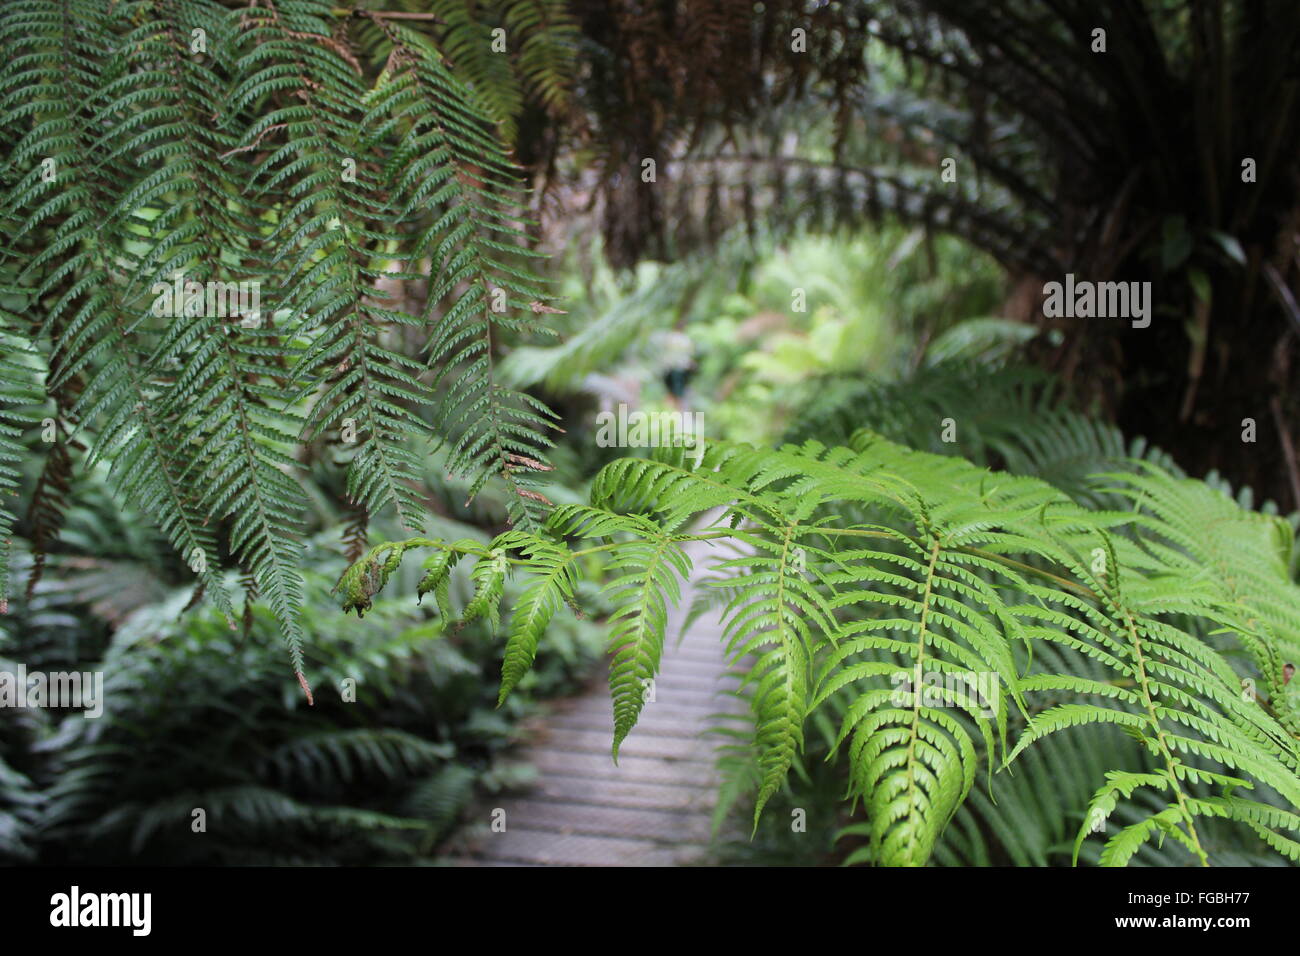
x: 922, y: 586
x: 324, y: 155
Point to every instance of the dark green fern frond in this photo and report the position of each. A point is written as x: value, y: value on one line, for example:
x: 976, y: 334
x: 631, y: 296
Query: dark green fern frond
x: 58, y: 176
x: 333, y: 241
x: 507, y: 52
x: 454, y: 170
x: 222, y: 402
x: 18, y: 396
x: 217, y: 219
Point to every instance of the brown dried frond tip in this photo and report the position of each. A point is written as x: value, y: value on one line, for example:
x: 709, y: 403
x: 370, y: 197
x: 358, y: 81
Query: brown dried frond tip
x: 527, y: 462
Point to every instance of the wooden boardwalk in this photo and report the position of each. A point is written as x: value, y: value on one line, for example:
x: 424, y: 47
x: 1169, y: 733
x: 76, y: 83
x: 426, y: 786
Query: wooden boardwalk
x: 654, y: 808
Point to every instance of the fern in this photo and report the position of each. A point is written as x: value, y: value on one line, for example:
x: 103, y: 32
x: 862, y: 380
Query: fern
x: 510, y: 52
x: 18, y: 392
x: 324, y: 155
x: 936, y: 595
x: 552, y: 586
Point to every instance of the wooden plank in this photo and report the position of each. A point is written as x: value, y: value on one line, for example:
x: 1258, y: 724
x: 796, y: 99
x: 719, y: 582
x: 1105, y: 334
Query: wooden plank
x: 632, y: 769
x: 672, y: 705
x: 626, y: 793
x: 696, y: 686
x: 659, y: 725
x: 681, y: 747
x: 674, y: 827
x: 558, y: 849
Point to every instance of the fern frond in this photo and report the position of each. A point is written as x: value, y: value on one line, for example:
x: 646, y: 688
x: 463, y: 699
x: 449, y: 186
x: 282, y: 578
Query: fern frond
x: 914, y: 588
x: 451, y: 166
x: 18, y: 394
x: 163, y: 152
x: 552, y: 585
x: 71, y: 50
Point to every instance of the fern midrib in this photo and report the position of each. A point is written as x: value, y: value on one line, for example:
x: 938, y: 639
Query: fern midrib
x: 769, y: 787
x: 1165, y: 751
x: 922, y: 633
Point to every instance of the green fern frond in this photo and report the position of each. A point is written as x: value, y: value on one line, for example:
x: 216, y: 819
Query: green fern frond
x: 551, y: 586
x: 451, y: 166
x: 71, y: 51
x: 937, y: 601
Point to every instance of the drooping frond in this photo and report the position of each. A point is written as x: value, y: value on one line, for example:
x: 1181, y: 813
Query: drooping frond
x: 221, y: 223
x: 333, y: 243
x: 551, y: 586
x: 451, y: 165
x: 644, y: 570
x: 62, y: 188
x: 18, y: 393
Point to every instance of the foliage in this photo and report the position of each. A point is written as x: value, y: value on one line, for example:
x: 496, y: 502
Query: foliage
x: 365, y: 171
x: 322, y: 153
x: 868, y: 565
x: 1012, y: 418
x: 384, y: 767
x: 770, y: 324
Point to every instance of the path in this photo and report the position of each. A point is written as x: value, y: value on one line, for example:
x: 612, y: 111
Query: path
x: 654, y: 808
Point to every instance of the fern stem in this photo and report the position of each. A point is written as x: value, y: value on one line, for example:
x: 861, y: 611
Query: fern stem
x: 1165, y: 750
x: 922, y: 633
